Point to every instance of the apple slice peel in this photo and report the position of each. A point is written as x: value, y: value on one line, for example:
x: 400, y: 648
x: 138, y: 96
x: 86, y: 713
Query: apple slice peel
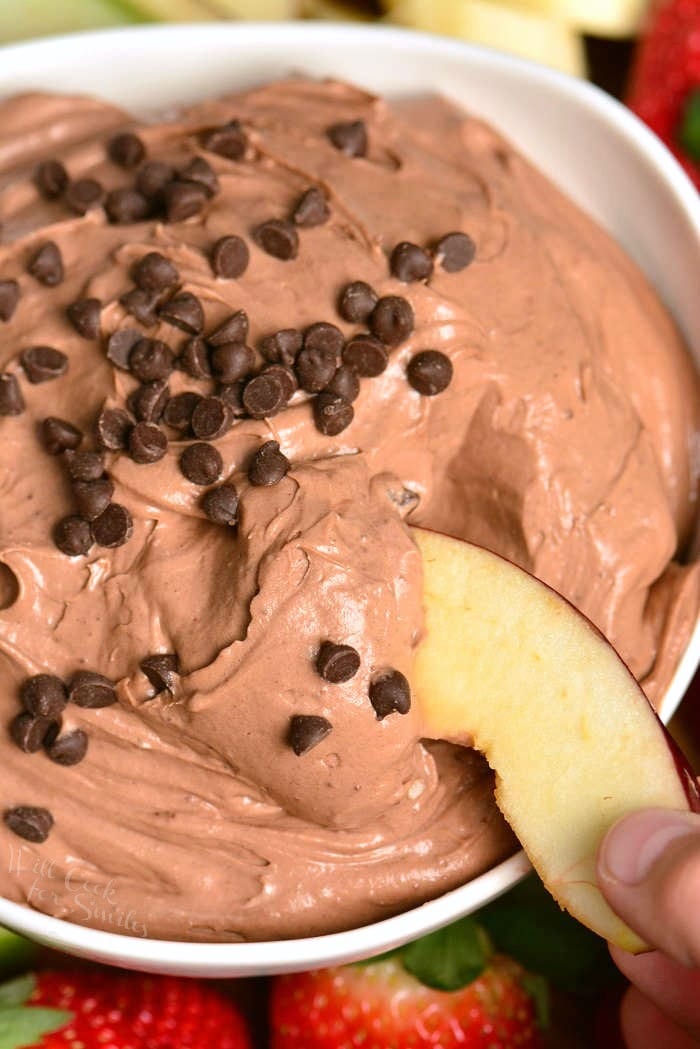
x: 509, y: 666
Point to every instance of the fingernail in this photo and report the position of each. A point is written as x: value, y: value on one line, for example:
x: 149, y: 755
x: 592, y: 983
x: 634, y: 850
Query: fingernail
x: 633, y: 846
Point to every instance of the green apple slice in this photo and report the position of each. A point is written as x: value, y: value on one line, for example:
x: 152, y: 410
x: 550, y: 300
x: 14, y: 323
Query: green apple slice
x: 510, y: 667
x: 40, y: 18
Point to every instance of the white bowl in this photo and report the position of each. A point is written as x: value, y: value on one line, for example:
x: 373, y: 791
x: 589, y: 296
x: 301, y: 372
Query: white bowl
x: 600, y: 154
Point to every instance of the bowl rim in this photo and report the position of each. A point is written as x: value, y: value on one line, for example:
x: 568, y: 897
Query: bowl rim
x: 250, y: 958
x: 272, y: 956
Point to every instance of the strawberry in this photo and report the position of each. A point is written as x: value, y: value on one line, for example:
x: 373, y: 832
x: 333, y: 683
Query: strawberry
x: 106, y: 1009
x: 664, y: 88
x: 446, y: 990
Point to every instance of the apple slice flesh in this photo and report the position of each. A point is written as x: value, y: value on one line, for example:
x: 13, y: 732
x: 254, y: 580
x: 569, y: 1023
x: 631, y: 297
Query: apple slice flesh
x: 508, y: 666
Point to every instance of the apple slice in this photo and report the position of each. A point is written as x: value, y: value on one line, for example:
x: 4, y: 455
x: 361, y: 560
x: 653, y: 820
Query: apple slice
x: 508, y: 666
x: 546, y: 40
x: 39, y: 18
x: 617, y: 18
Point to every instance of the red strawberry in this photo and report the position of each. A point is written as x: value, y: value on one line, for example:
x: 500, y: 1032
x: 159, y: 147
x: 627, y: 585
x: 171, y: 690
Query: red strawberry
x: 105, y: 1009
x: 665, y: 85
x: 383, y: 1006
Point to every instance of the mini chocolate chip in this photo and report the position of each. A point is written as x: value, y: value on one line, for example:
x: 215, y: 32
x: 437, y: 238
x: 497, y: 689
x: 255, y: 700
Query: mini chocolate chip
x: 9, y: 297
x: 126, y: 149
x: 430, y: 372
x: 68, y: 749
x: 147, y: 443
x: 58, y: 435
x: 229, y: 141
x: 315, y: 369
x: 46, y: 265
x: 179, y: 410
x: 410, y: 263
x: 153, y: 177
x: 51, y: 179
x: 90, y: 690
x: 366, y: 355
x: 153, y: 272
x: 282, y: 346
x: 142, y: 305
x: 161, y: 670
x: 230, y: 257
x: 120, y: 344
x: 84, y: 466
x: 83, y: 194
x: 306, y: 731
x: 113, y: 527
x: 324, y: 337
x: 113, y: 426
x: 221, y: 504
x: 390, y: 693
x: 183, y: 200
x: 233, y: 329
x: 194, y: 359
x: 269, y: 465
x: 72, y: 536
x: 147, y: 402
x: 84, y: 315
x: 184, y: 311
x: 151, y: 359
x: 200, y: 171
x: 29, y: 822
x: 232, y: 395
x: 356, y: 302
x: 43, y: 363
x: 286, y: 377
x: 311, y: 209
x: 201, y: 463
x: 332, y: 414
x: 92, y: 497
x: 455, y: 251
x: 336, y: 663
x: 392, y: 320
x: 127, y: 205
x: 278, y: 238
x: 211, y: 418
x: 263, y: 396
x: 43, y: 695
x: 11, y: 399
x: 344, y: 383
x: 350, y: 137
x: 232, y: 361
x: 29, y: 732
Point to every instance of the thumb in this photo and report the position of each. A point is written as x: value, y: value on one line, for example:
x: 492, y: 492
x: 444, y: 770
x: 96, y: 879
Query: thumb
x: 649, y: 872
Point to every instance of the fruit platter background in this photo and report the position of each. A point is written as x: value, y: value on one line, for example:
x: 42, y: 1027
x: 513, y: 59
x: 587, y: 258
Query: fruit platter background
x: 548, y: 31
x: 522, y: 942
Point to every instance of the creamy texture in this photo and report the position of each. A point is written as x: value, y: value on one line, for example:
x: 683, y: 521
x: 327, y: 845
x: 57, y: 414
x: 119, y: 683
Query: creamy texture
x: 566, y: 441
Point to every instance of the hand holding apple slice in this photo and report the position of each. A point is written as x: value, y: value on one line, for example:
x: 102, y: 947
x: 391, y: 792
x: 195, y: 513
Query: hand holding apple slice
x: 510, y: 667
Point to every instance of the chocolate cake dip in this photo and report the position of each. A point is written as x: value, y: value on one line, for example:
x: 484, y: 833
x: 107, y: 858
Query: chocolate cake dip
x: 239, y: 350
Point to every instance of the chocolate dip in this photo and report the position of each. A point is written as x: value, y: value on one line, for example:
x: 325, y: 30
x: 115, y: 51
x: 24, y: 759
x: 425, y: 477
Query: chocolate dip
x: 242, y: 788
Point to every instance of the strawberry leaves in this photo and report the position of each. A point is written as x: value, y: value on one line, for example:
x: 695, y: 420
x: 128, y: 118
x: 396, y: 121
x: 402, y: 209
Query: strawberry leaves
x: 17, y: 991
x: 450, y: 958
x: 689, y: 130
x: 528, y: 925
x: 538, y: 989
x: 22, y: 1024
